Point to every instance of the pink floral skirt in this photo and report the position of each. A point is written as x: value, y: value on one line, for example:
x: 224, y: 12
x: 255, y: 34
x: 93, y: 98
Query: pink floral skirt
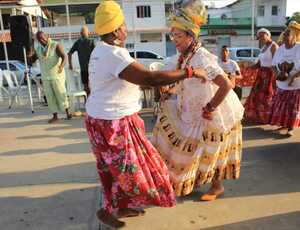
x: 131, y: 170
x: 285, y: 110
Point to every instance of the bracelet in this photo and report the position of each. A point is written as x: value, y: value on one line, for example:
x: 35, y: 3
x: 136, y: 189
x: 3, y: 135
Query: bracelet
x: 209, y: 107
x: 189, y: 71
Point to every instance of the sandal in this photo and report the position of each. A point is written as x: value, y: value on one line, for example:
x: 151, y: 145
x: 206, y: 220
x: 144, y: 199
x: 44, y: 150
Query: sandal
x: 280, y: 129
x: 290, y: 133
x: 128, y: 212
x: 211, y: 196
x: 53, y: 120
x: 109, y: 220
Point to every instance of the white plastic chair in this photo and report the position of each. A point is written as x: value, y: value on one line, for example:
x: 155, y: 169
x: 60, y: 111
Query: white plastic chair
x: 12, y: 83
x: 74, y: 88
x: 2, y: 88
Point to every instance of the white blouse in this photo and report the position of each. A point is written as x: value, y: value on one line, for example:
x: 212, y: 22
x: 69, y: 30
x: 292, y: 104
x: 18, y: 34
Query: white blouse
x: 291, y: 56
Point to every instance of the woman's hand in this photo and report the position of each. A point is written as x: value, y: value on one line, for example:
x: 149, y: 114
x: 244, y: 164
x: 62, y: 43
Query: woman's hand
x: 201, y: 74
x: 206, y: 114
x: 292, y: 79
x: 60, y: 69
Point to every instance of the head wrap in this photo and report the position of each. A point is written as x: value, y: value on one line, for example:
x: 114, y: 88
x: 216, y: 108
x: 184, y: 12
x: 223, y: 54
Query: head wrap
x: 295, y: 29
x: 189, y: 16
x: 263, y: 30
x: 108, y: 17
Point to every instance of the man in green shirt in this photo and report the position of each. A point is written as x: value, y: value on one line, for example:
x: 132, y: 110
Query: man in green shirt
x: 84, y: 47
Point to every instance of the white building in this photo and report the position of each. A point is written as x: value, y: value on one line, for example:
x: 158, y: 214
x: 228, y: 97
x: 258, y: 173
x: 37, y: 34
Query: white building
x: 147, y: 26
x: 273, y: 13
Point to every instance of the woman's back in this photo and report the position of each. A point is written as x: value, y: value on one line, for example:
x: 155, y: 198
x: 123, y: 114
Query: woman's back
x: 111, y: 97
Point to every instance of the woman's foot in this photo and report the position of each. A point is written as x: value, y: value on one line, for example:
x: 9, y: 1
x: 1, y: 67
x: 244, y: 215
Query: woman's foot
x: 69, y: 116
x: 290, y: 132
x: 109, y: 220
x: 129, y: 212
x: 280, y: 129
x: 53, y: 120
x: 213, y: 194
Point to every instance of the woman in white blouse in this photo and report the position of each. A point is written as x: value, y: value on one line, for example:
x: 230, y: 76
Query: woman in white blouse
x: 285, y: 111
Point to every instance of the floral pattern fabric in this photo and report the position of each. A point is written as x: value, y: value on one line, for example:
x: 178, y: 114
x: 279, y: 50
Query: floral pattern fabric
x: 259, y: 101
x: 131, y: 170
x: 285, y: 110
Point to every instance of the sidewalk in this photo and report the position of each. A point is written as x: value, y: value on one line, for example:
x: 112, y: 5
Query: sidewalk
x: 48, y: 181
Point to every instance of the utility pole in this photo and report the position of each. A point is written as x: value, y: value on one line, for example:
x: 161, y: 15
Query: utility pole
x: 252, y: 27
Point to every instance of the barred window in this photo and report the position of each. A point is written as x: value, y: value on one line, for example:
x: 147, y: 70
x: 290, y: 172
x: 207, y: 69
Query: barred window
x: 143, y: 11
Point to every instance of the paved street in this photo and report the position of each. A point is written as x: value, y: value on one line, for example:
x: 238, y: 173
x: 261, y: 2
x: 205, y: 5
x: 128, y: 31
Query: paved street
x: 48, y: 181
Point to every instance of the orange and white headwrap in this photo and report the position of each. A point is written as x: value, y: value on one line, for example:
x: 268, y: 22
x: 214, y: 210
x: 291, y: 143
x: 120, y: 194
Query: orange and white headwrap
x: 189, y: 16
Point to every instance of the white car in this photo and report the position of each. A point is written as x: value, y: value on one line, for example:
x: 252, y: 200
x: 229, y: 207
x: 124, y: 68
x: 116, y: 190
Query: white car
x: 244, y: 54
x: 19, y: 68
x: 146, y: 57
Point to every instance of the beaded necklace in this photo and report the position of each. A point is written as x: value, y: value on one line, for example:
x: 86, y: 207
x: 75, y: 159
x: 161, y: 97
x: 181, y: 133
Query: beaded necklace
x: 185, y: 59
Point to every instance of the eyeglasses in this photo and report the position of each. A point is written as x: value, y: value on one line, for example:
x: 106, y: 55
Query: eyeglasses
x: 174, y: 36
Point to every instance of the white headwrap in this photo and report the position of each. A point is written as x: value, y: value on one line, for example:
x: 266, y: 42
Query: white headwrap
x: 263, y: 30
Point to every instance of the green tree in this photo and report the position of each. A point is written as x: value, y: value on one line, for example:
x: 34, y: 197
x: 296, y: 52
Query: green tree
x: 295, y: 17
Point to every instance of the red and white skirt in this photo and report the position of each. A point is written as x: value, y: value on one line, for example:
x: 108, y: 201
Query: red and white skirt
x: 259, y: 102
x: 285, y: 110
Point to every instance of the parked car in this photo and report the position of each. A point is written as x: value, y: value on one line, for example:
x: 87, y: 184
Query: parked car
x: 146, y: 57
x: 19, y: 68
x: 244, y: 53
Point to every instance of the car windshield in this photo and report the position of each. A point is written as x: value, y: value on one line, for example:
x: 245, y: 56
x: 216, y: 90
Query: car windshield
x: 20, y: 65
x: 247, y: 52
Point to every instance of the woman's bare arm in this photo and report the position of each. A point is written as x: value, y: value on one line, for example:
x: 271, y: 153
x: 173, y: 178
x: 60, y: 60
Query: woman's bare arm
x: 139, y: 75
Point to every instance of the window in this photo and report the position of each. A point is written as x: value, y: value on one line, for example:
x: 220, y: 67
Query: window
x: 143, y: 11
x: 131, y: 54
x: 3, y: 66
x: 168, y: 9
x: 129, y: 46
x: 261, y: 11
x: 12, y: 67
x: 151, y: 37
x: 274, y: 10
x: 147, y: 55
x: 247, y: 53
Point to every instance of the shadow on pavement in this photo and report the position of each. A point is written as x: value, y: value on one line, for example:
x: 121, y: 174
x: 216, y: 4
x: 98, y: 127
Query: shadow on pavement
x: 72, y: 173
x: 287, y: 221
x: 70, y: 135
x: 77, y: 148
x: 265, y: 170
x: 70, y: 209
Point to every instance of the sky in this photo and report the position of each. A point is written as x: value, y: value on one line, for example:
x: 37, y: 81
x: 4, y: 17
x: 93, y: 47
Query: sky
x: 219, y: 3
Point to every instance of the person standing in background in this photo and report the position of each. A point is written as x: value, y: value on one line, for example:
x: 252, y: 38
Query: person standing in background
x: 285, y: 109
x: 232, y: 69
x: 84, y: 47
x: 259, y: 101
x: 52, y: 59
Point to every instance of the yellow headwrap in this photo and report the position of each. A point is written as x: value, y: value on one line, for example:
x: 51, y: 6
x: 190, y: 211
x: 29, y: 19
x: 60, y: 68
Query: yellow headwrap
x: 190, y: 16
x: 108, y: 17
x: 295, y: 28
